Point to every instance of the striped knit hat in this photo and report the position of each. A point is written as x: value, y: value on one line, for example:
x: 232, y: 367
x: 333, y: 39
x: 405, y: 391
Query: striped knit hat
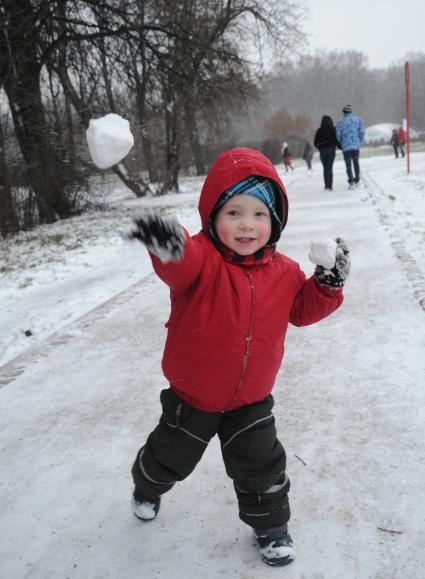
x: 263, y: 189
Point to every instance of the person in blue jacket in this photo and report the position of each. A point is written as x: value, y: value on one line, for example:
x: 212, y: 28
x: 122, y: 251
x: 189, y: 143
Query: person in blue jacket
x: 350, y: 133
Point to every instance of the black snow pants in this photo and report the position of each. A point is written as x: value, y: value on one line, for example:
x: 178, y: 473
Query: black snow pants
x: 253, y: 456
x: 327, y: 156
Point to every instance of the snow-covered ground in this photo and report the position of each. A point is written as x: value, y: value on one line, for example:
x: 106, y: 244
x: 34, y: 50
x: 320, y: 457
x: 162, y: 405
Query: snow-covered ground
x: 80, y: 394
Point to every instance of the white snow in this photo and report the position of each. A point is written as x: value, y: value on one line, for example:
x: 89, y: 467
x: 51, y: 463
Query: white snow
x: 323, y: 252
x: 272, y: 552
x: 109, y: 139
x: 145, y: 510
x: 83, y: 393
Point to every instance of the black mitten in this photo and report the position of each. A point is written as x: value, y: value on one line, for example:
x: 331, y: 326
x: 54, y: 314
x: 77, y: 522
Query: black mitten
x: 162, y: 237
x: 335, y: 277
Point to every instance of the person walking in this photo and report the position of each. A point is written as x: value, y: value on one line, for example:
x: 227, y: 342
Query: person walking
x: 394, y: 142
x: 287, y: 157
x: 401, y: 140
x: 308, y: 153
x: 325, y: 141
x: 350, y: 133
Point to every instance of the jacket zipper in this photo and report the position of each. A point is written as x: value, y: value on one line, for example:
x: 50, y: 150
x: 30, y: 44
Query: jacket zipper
x: 248, y: 337
x: 178, y: 415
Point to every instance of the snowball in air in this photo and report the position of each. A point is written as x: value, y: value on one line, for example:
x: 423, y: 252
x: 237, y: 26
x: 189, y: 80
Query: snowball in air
x: 323, y: 252
x: 109, y: 139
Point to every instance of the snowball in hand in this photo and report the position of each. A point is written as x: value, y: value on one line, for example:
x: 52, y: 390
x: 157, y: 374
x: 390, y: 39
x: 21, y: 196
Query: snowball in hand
x: 109, y: 139
x: 323, y: 252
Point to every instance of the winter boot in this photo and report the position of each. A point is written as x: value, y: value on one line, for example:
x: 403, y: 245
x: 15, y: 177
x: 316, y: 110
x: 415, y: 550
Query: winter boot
x: 145, y: 508
x: 275, y: 545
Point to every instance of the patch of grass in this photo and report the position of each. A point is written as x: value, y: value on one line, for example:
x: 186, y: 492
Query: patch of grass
x: 76, y: 245
x: 57, y: 238
x: 6, y: 268
x: 25, y: 283
x: 30, y: 239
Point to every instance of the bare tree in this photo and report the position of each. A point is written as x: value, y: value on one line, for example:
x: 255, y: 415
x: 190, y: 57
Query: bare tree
x: 204, y: 68
x: 8, y: 218
x: 175, y: 69
x: 85, y: 62
x: 20, y: 67
x: 322, y: 84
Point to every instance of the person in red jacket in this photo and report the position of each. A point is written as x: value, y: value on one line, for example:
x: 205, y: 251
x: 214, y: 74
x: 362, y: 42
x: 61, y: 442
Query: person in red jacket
x: 232, y: 298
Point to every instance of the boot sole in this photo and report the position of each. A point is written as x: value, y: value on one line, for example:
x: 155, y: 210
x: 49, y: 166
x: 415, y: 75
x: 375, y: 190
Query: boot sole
x: 278, y: 562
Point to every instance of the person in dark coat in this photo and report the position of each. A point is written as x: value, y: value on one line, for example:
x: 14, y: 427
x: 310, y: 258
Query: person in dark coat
x: 394, y: 142
x: 325, y: 140
x: 308, y: 153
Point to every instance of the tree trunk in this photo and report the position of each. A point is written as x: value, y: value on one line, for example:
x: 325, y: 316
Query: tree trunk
x: 22, y: 86
x: 41, y: 162
x: 141, y: 95
x: 172, y: 163
x: 193, y: 135
x: 72, y: 157
x: 8, y: 218
x: 148, y: 154
x: 106, y: 66
x: 139, y: 188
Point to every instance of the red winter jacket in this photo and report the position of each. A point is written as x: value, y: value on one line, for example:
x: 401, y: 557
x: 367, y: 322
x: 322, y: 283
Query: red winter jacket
x: 228, y: 322
x: 401, y: 136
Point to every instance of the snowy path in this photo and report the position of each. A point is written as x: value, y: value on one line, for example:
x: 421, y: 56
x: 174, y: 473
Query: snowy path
x: 349, y: 404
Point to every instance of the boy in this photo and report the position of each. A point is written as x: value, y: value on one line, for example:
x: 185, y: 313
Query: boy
x: 232, y: 297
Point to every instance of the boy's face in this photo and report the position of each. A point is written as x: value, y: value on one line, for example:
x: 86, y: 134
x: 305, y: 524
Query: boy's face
x: 244, y: 224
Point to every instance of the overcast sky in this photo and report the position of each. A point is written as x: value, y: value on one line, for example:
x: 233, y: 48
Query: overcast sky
x: 384, y: 30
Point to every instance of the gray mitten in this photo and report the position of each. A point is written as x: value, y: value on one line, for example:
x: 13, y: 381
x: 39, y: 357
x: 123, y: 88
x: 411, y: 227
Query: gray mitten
x: 335, y: 278
x: 163, y: 237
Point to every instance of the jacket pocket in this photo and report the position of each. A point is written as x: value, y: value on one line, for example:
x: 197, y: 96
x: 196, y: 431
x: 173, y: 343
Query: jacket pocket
x: 175, y: 410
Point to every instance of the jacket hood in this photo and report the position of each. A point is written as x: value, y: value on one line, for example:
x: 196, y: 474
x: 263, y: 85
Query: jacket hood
x: 231, y: 167
x: 326, y: 121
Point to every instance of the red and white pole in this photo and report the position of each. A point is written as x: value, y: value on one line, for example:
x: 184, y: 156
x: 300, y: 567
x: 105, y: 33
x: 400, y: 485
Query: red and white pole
x: 407, y: 82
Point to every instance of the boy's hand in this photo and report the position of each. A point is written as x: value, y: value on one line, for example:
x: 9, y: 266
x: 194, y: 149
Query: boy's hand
x: 335, y: 277
x: 162, y: 237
